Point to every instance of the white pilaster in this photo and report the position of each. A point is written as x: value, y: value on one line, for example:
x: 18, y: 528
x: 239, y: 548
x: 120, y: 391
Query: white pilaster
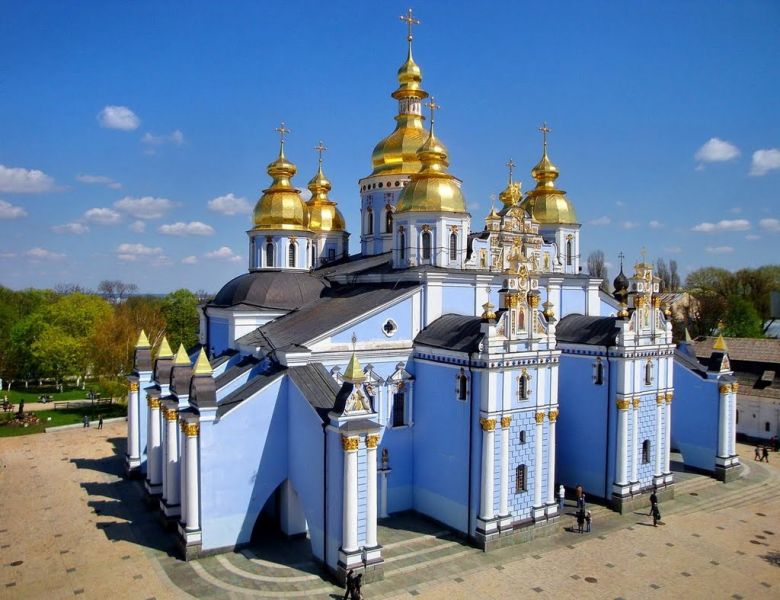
x: 154, y: 450
x: 635, y: 440
x: 553, y: 417
x: 371, y: 504
x: 732, y: 443
x: 133, y: 427
x: 503, y: 480
x: 659, y: 435
x: 538, y: 457
x: 668, y: 438
x: 622, y: 441
x: 183, y: 474
x: 191, y: 435
x: 162, y: 423
x: 172, y: 457
x: 349, y: 518
x: 486, y: 496
x: 723, y: 442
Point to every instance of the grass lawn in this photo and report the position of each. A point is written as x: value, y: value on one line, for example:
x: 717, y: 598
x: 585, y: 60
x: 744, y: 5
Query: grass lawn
x: 64, y: 416
x: 33, y: 394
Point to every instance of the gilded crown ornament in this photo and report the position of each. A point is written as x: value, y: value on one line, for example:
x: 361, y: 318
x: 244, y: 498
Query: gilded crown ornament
x: 506, y: 421
x: 487, y: 424
x: 623, y: 404
x: 539, y: 418
x: 372, y: 441
x: 553, y: 415
x: 349, y: 443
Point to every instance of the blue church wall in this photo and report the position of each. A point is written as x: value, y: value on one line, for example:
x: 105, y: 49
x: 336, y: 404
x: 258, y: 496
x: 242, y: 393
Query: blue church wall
x: 457, y: 299
x: 647, y: 431
x: 572, y: 301
x: 371, y: 328
x: 334, y: 491
x: 441, y: 445
x: 219, y: 335
x: 520, y: 503
x: 225, y: 390
x: 243, y: 460
x: 695, y: 418
x: 400, y: 483
x: 476, y: 454
x: 305, y: 456
x: 581, y: 430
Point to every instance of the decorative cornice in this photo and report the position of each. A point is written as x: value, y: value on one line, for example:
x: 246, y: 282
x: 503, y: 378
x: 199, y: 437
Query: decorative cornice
x: 487, y: 424
x: 169, y: 413
x: 372, y: 441
x: 539, y: 418
x: 623, y: 404
x: 506, y: 421
x: 350, y: 444
x: 133, y: 386
x: 152, y: 402
x: 553, y: 415
x: 725, y: 388
x: 190, y: 429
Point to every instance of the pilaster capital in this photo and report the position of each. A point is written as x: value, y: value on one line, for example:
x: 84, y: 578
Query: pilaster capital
x: 734, y: 387
x: 506, y: 421
x: 660, y: 398
x: 623, y: 403
x: 349, y: 443
x: 553, y: 415
x: 725, y: 388
x: 669, y: 397
x: 636, y: 401
x: 169, y: 413
x: 133, y: 386
x: 539, y: 418
x: 190, y: 429
x: 372, y: 441
x: 487, y: 424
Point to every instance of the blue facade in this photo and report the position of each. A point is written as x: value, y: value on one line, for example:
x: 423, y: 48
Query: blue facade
x: 695, y: 421
x: 218, y: 335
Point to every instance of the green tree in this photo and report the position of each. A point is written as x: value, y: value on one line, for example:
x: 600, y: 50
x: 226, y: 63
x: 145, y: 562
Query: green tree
x: 180, y: 309
x: 741, y: 319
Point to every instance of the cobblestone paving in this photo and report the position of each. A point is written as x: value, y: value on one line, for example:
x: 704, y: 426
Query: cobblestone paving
x: 72, y: 526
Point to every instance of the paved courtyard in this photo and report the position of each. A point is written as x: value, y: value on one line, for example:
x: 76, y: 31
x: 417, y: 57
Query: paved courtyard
x: 70, y: 525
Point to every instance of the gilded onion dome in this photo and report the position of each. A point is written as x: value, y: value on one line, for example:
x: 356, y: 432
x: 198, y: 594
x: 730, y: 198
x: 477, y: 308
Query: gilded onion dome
x: 432, y: 189
x: 281, y: 206
x: 546, y: 203
x: 322, y: 211
x: 511, y: 194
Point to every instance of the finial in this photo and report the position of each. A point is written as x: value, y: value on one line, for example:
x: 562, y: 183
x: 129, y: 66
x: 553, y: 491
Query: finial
x: 282, y: 130
x: 720, y: 344
x: 353, y: 373
x: 164, y: 351
x: 545, y: 130
x: 643, y: 252
x: 181, y: 357
x: 202, y: 365
x: 354, y: 341
x: 410, y: 21
x: 143, y: 341
x: 434, y: 107
x: 621, y: 256
x: 511, y: 164
x: 688, y: 338
x: 320, y: 148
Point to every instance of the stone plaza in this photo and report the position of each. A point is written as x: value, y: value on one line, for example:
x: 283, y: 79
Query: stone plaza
x: 74, y: 526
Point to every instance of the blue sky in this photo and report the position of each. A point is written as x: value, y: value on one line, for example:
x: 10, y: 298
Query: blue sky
x: 131, y: 131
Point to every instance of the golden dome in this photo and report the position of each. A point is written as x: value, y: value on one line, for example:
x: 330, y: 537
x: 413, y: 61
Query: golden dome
x: 492, y: 215
x: 322, y: 211
x: 432, y: 189
x: 281, y: 206
x: 546, y: 203
x: 511, y: 194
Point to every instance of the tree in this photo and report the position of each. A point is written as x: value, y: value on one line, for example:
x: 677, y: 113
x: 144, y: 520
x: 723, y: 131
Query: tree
x: 597, y: 268
x: 115, y: 290
x: 674, y: 277
x: 180, y: 309
x: 741, y: 319
x: 664, y: 274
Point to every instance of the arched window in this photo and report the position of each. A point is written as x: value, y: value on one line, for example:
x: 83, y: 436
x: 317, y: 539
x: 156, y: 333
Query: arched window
x: 453, y: 246
x: 646, y: 452
x: 314, y: 256
x: 767, y: 426
x: 520, y: 477
x: 426, y: 245
x: 462, y: 385
x: 737, y: 417
x: 269, y: 255
x: 523, y: 390
x: 599, y: 372
x: 402, y: 243
x: 370, y: 222
x: 522, y: 436
x: 568, y: 252
x: 399, y: 408
x: 649, y: 372
x: 291, y: 255
x: 388, y: 220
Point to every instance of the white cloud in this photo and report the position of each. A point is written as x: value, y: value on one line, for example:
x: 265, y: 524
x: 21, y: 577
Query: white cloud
x: 629, y: 225
x: 161, y: 261
x: 716, y: 150
x: 765, y: 161
x: 605, y: 220
x: 176, y: 138
x: 127, y: 257
x: 24, y: 181
x: 656, y: 224
x: 190, y: 260
x: 183, y: 229
x: 672, y: 249
x: 137, y: 226
x: 102, y: 216
x: 147, y: 207
x: 719, y: 249
x: 725, y: 225
x: 620, y: 204
x: 735, y: 210
x: 7, y: 254
x: 118, y: 117
x: 11, y: 211
x: 772, y: 225
x: 229, y: 204
x: 75, y: 228
x: 102, y: 179
x: 137, y: 250
x: 752, y: 237
x: 223, y: 253
x: 43, y: 254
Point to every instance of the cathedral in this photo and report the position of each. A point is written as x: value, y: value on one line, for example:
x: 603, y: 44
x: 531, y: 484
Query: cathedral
x: 458, y: 367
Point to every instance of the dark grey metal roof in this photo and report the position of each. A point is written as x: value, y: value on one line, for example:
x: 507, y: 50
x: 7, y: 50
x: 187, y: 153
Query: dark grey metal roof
x: 242, y: 366
x: 594, y: 331
x: 355, y: 264
x: 317, y: 386
x: 247, y: 390
x: 452, y: 332
x: 341, y: 305
x: 270, y: 289
x: 682, y: 356
x: 223, y: 358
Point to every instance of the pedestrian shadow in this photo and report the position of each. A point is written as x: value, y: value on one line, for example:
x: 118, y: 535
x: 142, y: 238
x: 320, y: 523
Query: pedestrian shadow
x: 108, y: 465
x: 645, y: 524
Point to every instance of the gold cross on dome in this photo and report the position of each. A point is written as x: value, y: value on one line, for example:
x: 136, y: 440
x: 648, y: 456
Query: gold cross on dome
x: 409, y: 19
x: 433, y: 106
x: 282, y: 130
x: 511, y: 164
x: 643, y: 252
x: 320, y: 148
x: 545, y: 130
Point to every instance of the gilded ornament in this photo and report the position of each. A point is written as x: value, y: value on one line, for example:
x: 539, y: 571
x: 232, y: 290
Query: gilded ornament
x: 656, y: 302
x: 349, y: 443
x: 533, y: 300
x: 153, y: 402
x: 169, y: 413
x: 661, y: 398
x: 190, y: 429
x: 133, y: 386
x: 623, y: 404
x: 636, y: 402
x: 487, y: 424
x: 669, y: 396
x: 553, y: 415
x: 506, y: 421
x: 372, y: 441
x: 539, y: 418
x: 725, y: 388
x: 640, y: 301
x: 734, y: 387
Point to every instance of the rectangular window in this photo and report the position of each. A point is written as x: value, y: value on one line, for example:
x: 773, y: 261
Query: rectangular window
x: 646, y: 452
x: 522, y: 436
x: 399, y: 408
x: 520, y: 484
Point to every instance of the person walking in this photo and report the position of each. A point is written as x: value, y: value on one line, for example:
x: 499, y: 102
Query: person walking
x: 653, y: 501
x: 656, y: 516
x: 757, y: 455
x: 85, y: 421
x: 350, y: 584
x: 588, y: 519
x: 100, y: 421
x: 765, y: 453
x: 561, y: 497
x: 357, y: 593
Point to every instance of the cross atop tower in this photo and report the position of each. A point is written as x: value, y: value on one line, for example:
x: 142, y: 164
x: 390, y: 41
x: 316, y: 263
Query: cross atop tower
x: 410, y: 21
x: 643, y: 252
x: 621, y: 256
x: 320, y: 148
x: 282, y: 130
x: 545, y: 130
x: 511, y: 164
x: 433, y: 106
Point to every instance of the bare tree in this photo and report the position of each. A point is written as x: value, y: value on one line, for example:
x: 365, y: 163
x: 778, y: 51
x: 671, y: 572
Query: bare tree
x: 674, y: 277
x: 203, y: 296
x: 115, y: 290
x: 63, y: 289
x: 598, y: 268
x: 663, y: 273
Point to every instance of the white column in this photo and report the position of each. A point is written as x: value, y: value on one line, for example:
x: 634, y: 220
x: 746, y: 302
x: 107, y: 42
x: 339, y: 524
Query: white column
x: 723, y: 444
x: 659, y: 434
x: 635, y: 439
x: 622, y: 441
x: 383, y: 473
x: 349, y: 525
x: 538, y: 457
x: 154, y: 458
x: 191, y: 432
x: 163, y: 424
x: 668, y: 441
x: 486, y: 497
x: 503, y: 480
x: 553, y: 416
x: 183, y: 473
x: 371, y: 504
x: 732, y: 444
x: 133, y: 427
x: 171, y: 455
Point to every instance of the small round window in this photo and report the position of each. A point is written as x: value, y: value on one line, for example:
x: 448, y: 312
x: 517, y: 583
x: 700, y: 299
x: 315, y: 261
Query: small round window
x: 389, y: 328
